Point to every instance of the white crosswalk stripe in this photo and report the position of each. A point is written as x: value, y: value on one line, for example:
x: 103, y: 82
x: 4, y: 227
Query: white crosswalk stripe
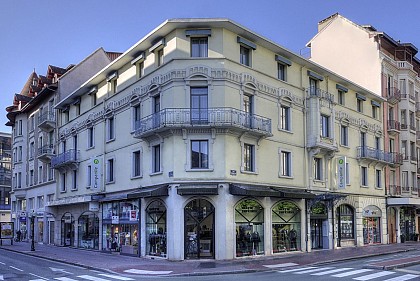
x: 374, y: 275
x: 403, y: 278
x: 65, y: 279
x: 312, y: 270
x: 93, y: 278
x: 332, y: 271
x: 281, y: 265
x: 296, y: 269
x: 116, y: 277
x: 353, y: 272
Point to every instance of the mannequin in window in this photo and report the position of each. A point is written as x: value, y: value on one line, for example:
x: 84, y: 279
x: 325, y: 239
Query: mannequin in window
x: 293, y: 239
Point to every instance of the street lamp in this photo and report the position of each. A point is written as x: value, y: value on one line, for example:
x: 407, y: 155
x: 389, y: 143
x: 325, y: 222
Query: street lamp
x: 32, y: 218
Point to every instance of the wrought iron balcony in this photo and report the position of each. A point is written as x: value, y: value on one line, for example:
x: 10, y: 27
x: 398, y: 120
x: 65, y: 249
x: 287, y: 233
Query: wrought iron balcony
x: 377, y: 155
x: 393, y: 190
x: 45, y: 153
x: 393, y: 95
x: 66, y: 160
x: 408, y: 96
x: 223, y: 117
x: 393, y: 127
x: 46, y: 121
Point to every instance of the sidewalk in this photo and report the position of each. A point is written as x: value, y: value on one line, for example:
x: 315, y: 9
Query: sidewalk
x: 133, y: 265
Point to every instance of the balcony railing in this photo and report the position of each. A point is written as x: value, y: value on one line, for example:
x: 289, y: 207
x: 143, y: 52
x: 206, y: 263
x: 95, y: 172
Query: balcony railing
x: 393, y: 190
x: 46, y: 152
x: 172, y: 118
x: 316, y: 92
x: 369, y: 153
x: 393, y: 127
x: 404, y: 65
x: 70, y: 159
x: 393, y: 95
x: 405, y: 189
x: 408, y: 96
x: 46, y: 121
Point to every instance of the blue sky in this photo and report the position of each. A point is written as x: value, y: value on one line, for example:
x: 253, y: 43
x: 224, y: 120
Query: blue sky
x: 35, y: 34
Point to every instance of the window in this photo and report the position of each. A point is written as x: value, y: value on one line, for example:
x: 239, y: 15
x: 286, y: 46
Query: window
x: 31, y: 177
x: 110, y: 171
x: 281, y: 71
x: 346, y: 221
x: 249, y: 158
x: 40, y: 174
x: 199, y: 47
x: 403, y: 119
x: 160, y: 57
x: 364, y: 176
x: 245, y: 55
x: 325, y: 126
x: 341, y: 97
x: 19, y: 180
x: 110, y: 128
x: 20, y: 153
x: 40, y: 201
x: 378, y: 181
x: 89, y: 176
x: 63, y: 182
x: 156, y: 159
x: 199, y: 154
x: 77, y: 109
x: 50, y: 171
x: 285, y: 118
x: 362, y: 139
x: 344, y: 136
x: 199, y: 105
x: 74, y: 187
x: 91, y: 137
x: 31, y: 150
x: 136, y: 164
x: 20, y: 128
x: 374, y: 111
x: 136, y: 116
x: 317, y: 168
x: 286, y: 165
x: 94, y: 99
x: 113, y: 84
x: 313, y: 87
x: 404, y: 180
x: 359, y: 105
x: 140, y: 69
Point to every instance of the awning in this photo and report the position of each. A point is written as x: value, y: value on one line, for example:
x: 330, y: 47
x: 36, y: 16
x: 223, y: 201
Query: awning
x: 198, y: 190
x: 114, y: 197
x: 400, y: 201
x: 267, y: 191
x: 156, y: 191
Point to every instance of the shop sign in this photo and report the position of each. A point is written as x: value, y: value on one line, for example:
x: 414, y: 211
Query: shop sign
x: 115, y: 219
x: 372, y: 211
x: 94, y: 206
x: 133, y: 215
x: 341, y: 172
x: 6, y: 230
x: 96, y: 172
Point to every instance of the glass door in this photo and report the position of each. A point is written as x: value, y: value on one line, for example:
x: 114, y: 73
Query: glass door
x: 316, y: 234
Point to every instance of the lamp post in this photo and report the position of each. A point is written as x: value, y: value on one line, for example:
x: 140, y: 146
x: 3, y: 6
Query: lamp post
x: 32, y: 218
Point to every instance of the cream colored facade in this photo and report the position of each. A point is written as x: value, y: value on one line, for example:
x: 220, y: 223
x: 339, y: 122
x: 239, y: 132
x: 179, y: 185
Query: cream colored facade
x: 206, y: 140
x: 390, y: 69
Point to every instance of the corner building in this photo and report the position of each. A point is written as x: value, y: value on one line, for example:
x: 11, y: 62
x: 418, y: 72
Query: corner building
x: 206, y: 140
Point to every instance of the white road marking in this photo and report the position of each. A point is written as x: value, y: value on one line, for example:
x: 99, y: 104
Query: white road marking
x: 403, y: 278
x: 354, y: 272
x: 116, y: 277
x: 332, y: 271
x: 38, y: 279
x: 296, y: 269
x: 60, y: 270
x: 41, y: 278
x: 139, y: 271
x: 15, y: 268
x: 374, y: 275
x: 2, y: 263
x: 312, y: 270
x: 280, y: 265
x: 65, y: 279
x: 93, y: 278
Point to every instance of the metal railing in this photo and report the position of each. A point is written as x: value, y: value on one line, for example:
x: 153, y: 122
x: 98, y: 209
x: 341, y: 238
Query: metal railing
x: 210, y: 117
x: 393, y: 94
x: 393, y: 190
x: 46, y: 149
x: 394, y: 125
x: 379, y: 155
x: 68, y: 157
x: 320, y: 93
x: 46, y: 116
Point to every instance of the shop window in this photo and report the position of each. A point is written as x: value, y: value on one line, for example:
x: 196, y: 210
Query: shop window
x: 371, y: 225
x: 285, y: 228
x: 345, y: 215
x: 249, y: 220
x: 67, y: 229
x: 88, y: 231
x: 156, y: 229
x: 199, y: 229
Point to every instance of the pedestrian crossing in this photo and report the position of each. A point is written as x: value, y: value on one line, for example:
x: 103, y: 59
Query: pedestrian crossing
x: 99, y: 277
x: 363, y: 274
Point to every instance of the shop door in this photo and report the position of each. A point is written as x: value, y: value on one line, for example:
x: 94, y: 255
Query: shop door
x: 69, y: 234
x: 371, y: 234
x: 316, y: 234
x: 51, y: 232
x: 199, y: 229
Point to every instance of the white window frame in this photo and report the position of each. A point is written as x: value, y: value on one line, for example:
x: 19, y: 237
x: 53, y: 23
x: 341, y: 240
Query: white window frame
x: 110, y: 129
x: 110, y: 170
x: 90, y: 137
x: 364, y: 180
x: 325, y: 125
x: 200, y: 46
x: 63, y: 182
x: 344, y: 135
x: 318, y: 169
x: 288, y: 163
x: 135, y: 115
x: 137, y: 159
x: 74, y: 180
x: 154, y: 171
x: 287, y: 117
x: 378, y: 178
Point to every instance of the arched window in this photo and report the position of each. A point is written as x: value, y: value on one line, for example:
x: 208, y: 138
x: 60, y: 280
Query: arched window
x: 285, y: 228
x: 88, y: 231
x: 249, y: 220
x: 156, y: 229
x: 345, y: 215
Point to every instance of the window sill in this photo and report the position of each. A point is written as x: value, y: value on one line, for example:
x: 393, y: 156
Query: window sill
x: 286, y: 177
x: 90, y: 148
x: 249, y: 172
x: 63, y: 191
x: 156, y: 173
x: 345, y: 146
x: 110, y: 182
x: 364, y: 186
x: 316, y: 181
x: 137, y: 177
x: 199, y: 170
x: 110, y: 140
x: 285, y: 131
x: 73, y: 189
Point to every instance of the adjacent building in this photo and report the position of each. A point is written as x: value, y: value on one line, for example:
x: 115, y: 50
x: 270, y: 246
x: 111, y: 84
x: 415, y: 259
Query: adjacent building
x: 5, y: 176
x: 390, y: 69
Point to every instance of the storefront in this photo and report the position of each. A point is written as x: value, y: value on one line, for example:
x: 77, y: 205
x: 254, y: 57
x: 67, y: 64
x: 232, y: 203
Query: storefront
x: 88, y: 231
x: 67, y: 229
x: 408, y: 224
x: 286, y: 227
x: 199, y: 237
x: 120, y: 226
x: 371, y: 225
x: 319, y: 221
x: 392, y: 224
x: 156, y: 232
x: 249, y: 221
x: 345, y: 226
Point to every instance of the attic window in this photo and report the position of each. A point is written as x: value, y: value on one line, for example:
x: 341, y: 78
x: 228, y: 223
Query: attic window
x: 315, y: 75
x: 112, y: 76
x: 140, y: 58
x: 157, y: 46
